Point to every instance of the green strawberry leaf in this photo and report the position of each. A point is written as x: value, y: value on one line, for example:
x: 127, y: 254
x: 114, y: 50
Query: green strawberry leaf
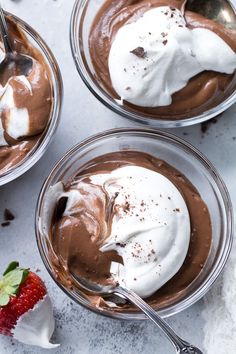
x: 10, y: 290
x: 4, y: 299
x: 12, y: 266
x: 13, y: 277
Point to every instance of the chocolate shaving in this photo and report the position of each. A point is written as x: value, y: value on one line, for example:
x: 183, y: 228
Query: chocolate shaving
x: 139, y: 52
x: 5, y: 224
x: 206, y: 125
x: 122, y: 245
x: 8, y: 215
x: 165, y: 42
x: 127, y: 207
x: 164, y: 34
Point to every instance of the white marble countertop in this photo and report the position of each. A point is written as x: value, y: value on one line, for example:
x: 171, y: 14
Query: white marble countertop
x: 78, y: 330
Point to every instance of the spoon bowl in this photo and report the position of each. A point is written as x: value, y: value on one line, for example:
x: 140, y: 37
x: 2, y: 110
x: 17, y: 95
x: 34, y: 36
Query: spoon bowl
x: 92, y: 287
x: 221, y: 11
x: 14, y: 64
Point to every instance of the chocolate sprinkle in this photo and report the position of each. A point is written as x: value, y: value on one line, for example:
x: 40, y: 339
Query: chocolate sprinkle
x: 139, y: 52
x: 5, y: 224
x: 8, y: 215
x: 206, y: 125
x: 165, y: 42
x: 122, y: 245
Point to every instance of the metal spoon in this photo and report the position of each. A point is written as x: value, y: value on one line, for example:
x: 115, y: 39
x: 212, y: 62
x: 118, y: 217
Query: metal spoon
x: 14, y: 64
x: 222, y: 11
x: 181, y: 346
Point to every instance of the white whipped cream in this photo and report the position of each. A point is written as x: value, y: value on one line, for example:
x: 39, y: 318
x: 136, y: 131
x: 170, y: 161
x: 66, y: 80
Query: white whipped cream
x: 17, y: 120
x: 173, y: 54
x: 37, y: 325
x: 2, y: 139
x: 150, y: 230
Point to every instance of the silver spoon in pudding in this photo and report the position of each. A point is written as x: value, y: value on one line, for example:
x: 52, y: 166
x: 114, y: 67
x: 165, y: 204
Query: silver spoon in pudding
x: 181, y: 346
x: 221, y: 11
x: 13, y: 64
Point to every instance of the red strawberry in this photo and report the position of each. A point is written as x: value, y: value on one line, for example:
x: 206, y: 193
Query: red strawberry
x: 20, y: 291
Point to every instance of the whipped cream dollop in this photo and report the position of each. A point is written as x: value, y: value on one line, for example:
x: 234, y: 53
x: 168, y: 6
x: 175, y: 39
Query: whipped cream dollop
x: 23, y: 102
x: 17, y: 121
x: 148, y: 223
x: 2, y: 139
x: 150, y: 227
x: 36, y: 326
x: 155, y: 56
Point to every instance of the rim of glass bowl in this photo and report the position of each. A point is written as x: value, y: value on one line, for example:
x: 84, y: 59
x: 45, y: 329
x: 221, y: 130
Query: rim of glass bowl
x: 76, y: 42
x: 225, y: 205
x: 57, y: 90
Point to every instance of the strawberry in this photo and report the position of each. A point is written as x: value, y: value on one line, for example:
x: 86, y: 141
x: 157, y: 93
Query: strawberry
x: 20, y: 291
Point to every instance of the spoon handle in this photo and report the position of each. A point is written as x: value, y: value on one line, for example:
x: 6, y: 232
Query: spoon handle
x: 180, y: 345
x: 183, y: 7
x: 4, y: 32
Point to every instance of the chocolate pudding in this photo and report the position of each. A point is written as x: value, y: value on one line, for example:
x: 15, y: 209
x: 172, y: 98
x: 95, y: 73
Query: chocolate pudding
x: 189, y: 85
x: 110, y: 224
x: 25, y: 105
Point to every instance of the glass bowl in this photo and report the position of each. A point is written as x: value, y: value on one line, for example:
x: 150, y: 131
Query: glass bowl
x: 57, y: 95
x: 83, y: 14
x: 175, y: 152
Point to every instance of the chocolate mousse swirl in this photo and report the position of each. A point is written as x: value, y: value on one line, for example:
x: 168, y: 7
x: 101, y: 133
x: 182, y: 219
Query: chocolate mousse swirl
x: 77, y: 235
x: 202, y: 92
x: 25, y: 104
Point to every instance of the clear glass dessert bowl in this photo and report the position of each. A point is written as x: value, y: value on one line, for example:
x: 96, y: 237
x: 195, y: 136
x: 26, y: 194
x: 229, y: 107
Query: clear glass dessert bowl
x: 57, y: 95
x: 83, y: 15
x: 179, y: 154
